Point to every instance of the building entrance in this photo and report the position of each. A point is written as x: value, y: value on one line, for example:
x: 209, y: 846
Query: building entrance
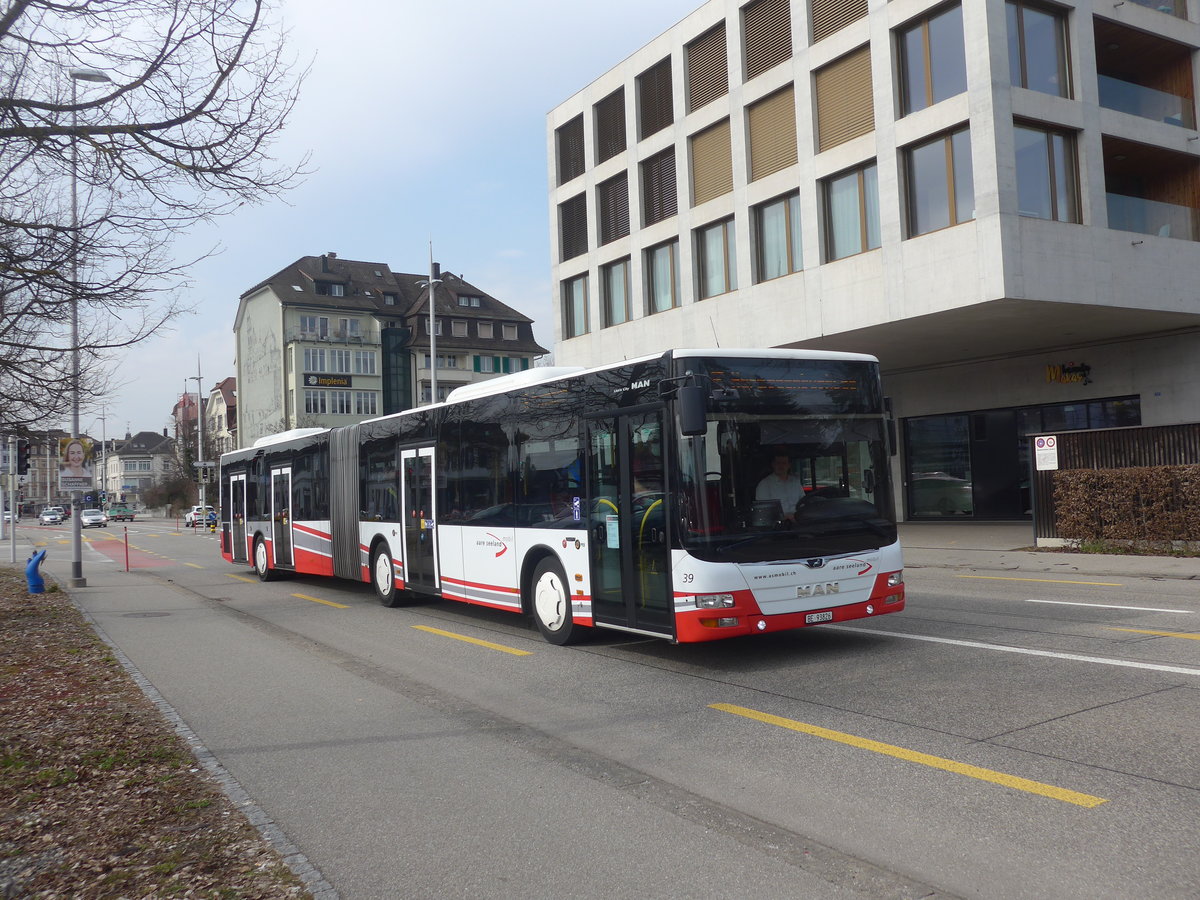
x: 977, y: 463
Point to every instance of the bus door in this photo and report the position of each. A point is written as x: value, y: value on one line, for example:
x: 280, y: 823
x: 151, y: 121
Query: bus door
x: 281, y: 515
x: 418, y: 519
x: 237, y: 517
x: 631, y: 578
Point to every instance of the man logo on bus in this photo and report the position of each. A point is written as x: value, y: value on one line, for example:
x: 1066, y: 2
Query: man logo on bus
x: 814, y: 563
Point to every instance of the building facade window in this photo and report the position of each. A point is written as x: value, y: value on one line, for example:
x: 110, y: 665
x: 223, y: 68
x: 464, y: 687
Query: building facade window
x: 1037, y: 48
x: 777, y: 239
x: 852, y: 212
x: 940, y: 183
x: 655, y: 98
x: 767, y: 35
x: 933, y: 63
x: 314, y: 403
x: 662, y: 277
x: 366, y: 403
x: 614, y: 290
x: 339, y: 403
x: 437, y: 326
x: 469, y: 300
x: 771, y: 126
x: 610, y: 126
x: 314, y: 359
x: 314, y: 326
x: 712, y: 163
x: 659, y: 197
x: 458, y: 328
x: 845, y: 99
x: 510, y: 331
x: 707, y: 68
x: 485, y: 329
x: 569, y: 146
x: 364, y: 362
x: 485, y: 364
x: 575, y: 307
x: 349, y: 328
x: 339, y: 361
x: 831, y: 16
x: 716, y: 259
x: 572, y: 226
x: 1047, y: 174
x: 612, y: 208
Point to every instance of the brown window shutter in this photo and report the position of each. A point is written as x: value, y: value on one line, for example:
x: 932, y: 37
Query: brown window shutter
x: 829, y: 16
x: 767, y: 25
x: 655, y: 110
x: 569, y: 139
x: 772, y: 124
x: 845, y: 104
x: 610, y: 125
x: 572, y: 223
x: 659, y: 200
x: 612, y: 206
x: 708, y: 68
x: 712, y: 163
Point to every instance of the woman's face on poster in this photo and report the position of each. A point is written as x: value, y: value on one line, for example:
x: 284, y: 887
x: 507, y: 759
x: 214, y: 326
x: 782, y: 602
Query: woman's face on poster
x: 75, y: 455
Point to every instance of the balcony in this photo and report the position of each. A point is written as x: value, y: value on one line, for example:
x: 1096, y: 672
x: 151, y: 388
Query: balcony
x: 1149, y: 103
x: 1152, y: 217
x: 355, y: 338
x: 1176, y: 8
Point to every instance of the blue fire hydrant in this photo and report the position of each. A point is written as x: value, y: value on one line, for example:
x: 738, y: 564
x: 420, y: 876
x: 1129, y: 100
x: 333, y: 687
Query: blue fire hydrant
x: 37, y: 584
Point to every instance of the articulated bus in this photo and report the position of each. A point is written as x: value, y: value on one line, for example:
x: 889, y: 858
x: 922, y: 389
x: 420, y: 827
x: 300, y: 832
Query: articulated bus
x: 625, y: 497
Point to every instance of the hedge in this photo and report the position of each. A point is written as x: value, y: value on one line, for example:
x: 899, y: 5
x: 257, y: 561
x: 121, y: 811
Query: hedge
x: 1140, y: 504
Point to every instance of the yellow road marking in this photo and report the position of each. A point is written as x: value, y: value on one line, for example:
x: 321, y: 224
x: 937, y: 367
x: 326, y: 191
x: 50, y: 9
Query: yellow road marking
x: 242, y: 578
x: 471, y: 640
x: 319, y: 600
x: 1178, y: 634
x: 925, y: 759
x: 1041, y: 580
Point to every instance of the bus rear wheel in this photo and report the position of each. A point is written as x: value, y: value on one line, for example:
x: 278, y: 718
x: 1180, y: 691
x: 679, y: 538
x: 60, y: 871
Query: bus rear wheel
x: 551, y: 603
x: 262, y: 565
x: 383, y: 576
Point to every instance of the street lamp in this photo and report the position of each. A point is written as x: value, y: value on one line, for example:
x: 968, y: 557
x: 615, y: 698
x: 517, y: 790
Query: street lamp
x: 201, y: 473
x: 77, y: 75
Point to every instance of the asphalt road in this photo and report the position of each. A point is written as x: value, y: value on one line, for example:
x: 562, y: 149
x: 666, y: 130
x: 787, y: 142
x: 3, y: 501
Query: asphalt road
x: 1004, y: 737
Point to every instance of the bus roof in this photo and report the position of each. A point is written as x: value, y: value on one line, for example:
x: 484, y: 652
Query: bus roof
x: 283, y: 436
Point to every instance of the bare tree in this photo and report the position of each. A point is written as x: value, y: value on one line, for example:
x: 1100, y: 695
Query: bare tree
x: 180, y: 133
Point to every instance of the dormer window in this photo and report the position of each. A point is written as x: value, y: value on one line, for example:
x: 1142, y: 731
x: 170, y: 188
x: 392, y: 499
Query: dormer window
x: 389, y: 299
x: 330, y: 289
x: 510, y: 332
x: 469, y: 300
x: 485, y: 329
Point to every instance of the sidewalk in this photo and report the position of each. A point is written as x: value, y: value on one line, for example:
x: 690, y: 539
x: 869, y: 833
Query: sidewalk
x: 1006, y: 546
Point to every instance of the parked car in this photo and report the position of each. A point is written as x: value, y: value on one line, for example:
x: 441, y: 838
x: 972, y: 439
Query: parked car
x: 51, y: 515
x: 120, y: 514
x: 197, y: 514
x: 8, y: 516
x: 93, y: 518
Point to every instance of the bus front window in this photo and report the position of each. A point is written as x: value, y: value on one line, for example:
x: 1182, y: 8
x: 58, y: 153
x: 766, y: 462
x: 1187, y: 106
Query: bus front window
x: 757, y: 489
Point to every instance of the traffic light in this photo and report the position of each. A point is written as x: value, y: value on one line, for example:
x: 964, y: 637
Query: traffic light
x: 22, y: 457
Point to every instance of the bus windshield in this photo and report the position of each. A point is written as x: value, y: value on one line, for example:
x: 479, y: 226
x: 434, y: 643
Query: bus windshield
x: 793, y: 464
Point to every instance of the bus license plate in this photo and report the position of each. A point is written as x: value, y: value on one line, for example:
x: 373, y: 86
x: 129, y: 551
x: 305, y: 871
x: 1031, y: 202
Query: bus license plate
x: 814, y: 618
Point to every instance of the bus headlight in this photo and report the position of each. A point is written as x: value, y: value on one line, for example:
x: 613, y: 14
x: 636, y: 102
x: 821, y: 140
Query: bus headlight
x: 714, y: 601
x: 895, y: 579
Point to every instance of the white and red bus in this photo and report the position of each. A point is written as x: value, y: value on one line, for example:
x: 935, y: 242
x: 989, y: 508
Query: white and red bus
x: 623, y: 497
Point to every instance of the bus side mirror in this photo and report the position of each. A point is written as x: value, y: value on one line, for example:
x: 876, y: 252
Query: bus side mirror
x: 693, y: 410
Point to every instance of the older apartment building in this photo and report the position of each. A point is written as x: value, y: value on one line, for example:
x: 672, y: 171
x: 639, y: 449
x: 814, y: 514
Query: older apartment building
x: 998, y: 198
x: 329, y: 341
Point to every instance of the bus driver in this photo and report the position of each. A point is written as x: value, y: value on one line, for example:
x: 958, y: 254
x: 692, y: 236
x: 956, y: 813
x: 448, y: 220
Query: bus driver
x: 782, y: 485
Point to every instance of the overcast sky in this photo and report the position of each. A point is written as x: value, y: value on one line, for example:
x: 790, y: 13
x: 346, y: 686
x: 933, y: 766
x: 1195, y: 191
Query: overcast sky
x: 426, y: 122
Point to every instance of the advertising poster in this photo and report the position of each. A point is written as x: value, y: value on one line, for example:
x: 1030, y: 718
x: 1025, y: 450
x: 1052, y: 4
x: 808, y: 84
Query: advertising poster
x: 75, y: 464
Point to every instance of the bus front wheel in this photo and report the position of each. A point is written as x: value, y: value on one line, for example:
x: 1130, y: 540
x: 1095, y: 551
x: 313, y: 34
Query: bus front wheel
x: 551, y: 603
x: 383, y: 576
x: 262, y: 565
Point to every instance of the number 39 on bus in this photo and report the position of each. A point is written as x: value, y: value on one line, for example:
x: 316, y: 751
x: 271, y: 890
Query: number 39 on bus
x: 692, y: 496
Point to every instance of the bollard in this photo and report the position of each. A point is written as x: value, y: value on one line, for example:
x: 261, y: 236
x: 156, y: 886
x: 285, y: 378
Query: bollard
x: 37, y: 584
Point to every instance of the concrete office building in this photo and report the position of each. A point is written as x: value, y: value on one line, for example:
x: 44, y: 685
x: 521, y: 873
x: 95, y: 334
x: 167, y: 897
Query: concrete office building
x: 998, y: 199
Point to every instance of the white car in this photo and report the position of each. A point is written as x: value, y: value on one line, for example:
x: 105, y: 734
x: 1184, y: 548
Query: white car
x: 197, y: 513
x: 50, y: 516
x: 93, y: 518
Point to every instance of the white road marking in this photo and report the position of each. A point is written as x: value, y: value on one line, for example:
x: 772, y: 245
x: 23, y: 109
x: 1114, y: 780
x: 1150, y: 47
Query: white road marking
x: 1076, y: 657
x: 1110, y: 606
